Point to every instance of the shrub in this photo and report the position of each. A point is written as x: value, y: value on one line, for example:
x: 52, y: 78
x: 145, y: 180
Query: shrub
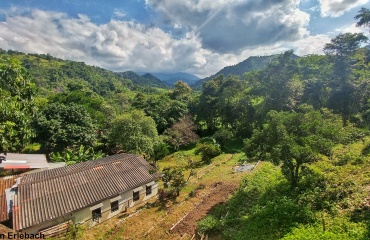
x: 209, y: 224
x: 208, y: 151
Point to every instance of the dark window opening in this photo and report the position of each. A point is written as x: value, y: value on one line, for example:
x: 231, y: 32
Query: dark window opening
x: 148, y: 190
x: 136, y: 196
x: 114, y: 206
x: 96, y: 214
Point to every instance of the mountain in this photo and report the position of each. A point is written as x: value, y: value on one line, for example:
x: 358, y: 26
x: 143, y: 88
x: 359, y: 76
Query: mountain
x: 171, y: 78
x: 145, y: 80
x: 251, y: 63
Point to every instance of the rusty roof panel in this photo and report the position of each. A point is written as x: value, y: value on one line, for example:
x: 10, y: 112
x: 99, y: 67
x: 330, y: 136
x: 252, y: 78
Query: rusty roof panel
x: 53, y: 193
x: 5, y: 182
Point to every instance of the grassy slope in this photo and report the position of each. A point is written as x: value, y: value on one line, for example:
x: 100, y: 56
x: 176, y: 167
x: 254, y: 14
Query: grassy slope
x: 333, y: 204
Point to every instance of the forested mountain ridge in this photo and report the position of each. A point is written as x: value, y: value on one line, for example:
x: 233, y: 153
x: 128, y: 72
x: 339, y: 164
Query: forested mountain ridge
x: 147, y: 79
x: 54, y: 75
x: 249, y: 64
x: 171, y: 78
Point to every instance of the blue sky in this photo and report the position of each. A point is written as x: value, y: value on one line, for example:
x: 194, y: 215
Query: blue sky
x: 193, y: 36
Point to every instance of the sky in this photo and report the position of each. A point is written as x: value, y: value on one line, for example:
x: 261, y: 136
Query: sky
x: 199, y: 37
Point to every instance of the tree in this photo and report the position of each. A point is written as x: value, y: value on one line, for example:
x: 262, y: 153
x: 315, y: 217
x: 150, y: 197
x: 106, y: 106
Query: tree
x: 17, y: 107
x: 181, y: 92
x: 216, y: 105
x: 62, y: 126
x: 363, y: 17
x: 341, y: 49
x: 164, y: 110
x: 174, y: 178
x: 134, y: 133
x: 293, y: 139
x: 181, y: 133
x: 207, y: 110
x: 344, y: 44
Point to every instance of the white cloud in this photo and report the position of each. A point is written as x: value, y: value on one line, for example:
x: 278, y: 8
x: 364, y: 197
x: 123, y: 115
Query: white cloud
x: 229, y: 26
x: 117, y: 45
x: 310, y: 45
x: 352, y: 28
x: 126, y: 45
x: 336, y: 8
x: 118, y: 13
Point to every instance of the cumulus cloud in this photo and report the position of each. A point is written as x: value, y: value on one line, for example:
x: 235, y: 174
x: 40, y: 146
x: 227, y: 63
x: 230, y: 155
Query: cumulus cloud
x: 230, y: 26
x: 126, y: 45
x: 336, y: 8
x: 116, y: 45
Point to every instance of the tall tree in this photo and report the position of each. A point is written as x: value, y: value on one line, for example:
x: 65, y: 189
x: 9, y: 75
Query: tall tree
x: 181, y: 92
x: 341, y: 49
x: 17, y: 107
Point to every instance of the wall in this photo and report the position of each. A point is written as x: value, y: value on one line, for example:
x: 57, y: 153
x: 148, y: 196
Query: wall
x: 84, y: 216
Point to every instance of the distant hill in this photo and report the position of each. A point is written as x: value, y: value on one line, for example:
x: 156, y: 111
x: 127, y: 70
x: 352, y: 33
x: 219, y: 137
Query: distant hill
x: 251, y: 63
x: 55, y: 75
x: 171, y: 78
x: 145, y: 80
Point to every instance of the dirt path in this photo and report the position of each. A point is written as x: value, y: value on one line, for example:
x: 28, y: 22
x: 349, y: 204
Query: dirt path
x: 219, y: 194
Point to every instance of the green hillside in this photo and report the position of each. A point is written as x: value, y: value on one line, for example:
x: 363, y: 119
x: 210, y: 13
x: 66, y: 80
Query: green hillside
x: 53, y: 74
x: 249, y: 64
x: 146, y: 80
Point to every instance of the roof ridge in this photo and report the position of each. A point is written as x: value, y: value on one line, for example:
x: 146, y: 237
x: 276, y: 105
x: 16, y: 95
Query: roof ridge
x: 71, y: 169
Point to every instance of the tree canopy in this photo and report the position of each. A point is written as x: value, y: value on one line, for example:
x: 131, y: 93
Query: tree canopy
x: 17, y: 106
x: 134, y: 132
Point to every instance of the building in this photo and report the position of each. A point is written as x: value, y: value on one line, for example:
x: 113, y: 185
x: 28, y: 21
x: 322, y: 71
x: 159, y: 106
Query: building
x: 83, y: 193
x: 5, y: 185
x: 13, y: 161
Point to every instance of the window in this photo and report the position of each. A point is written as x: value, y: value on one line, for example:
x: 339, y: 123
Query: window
x: 136, y: 196
x: 114, y: 206
x: 148, y: 190
x: 96, y: 214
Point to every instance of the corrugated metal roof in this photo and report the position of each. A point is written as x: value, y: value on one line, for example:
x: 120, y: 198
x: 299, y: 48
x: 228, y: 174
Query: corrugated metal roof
x: 26, y: 161
x: 5, y: 182
x: 46, y: 195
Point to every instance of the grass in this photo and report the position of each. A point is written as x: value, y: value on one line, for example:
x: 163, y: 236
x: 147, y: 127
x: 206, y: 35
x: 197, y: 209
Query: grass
x: 332, y: 201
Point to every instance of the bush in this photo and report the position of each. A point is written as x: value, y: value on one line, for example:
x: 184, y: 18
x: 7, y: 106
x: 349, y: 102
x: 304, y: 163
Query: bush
x: 223, y: 135
x: 208, y: 151
x: 209, y: 224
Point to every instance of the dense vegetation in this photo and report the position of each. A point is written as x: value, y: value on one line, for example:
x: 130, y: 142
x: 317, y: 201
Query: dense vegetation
x: 308, y: 116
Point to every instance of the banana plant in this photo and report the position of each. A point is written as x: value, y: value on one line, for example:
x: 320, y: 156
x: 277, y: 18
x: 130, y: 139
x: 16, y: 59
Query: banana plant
x: 71, y: 156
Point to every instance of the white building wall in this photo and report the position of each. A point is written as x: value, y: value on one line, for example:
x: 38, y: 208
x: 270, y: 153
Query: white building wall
x: 84, y: 216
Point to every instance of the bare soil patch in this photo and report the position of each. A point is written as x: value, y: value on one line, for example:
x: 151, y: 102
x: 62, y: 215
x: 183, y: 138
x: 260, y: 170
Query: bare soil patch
x: 219, y: 194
